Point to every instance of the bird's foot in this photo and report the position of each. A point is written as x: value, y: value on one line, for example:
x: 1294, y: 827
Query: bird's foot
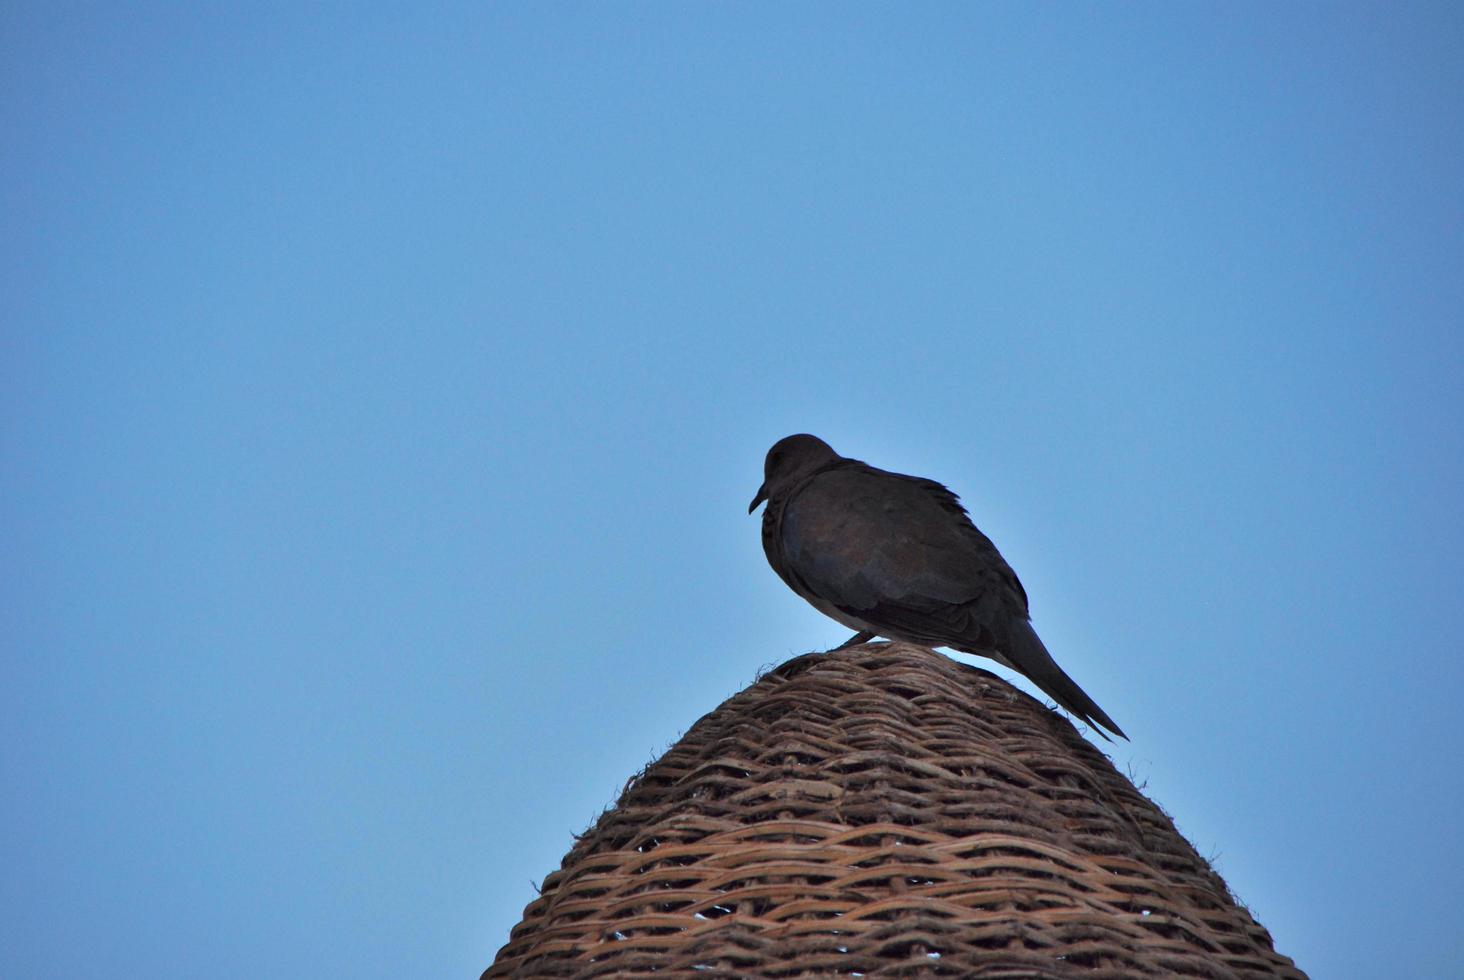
x: 854, y: 641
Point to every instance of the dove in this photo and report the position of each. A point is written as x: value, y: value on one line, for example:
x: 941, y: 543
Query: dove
x: 897, y: 556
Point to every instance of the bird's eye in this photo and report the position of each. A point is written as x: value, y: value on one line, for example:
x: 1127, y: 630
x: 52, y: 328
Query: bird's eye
x: 775, y: 459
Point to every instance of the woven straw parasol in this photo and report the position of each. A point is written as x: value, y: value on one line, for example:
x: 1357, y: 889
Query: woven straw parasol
x: 884, y: 811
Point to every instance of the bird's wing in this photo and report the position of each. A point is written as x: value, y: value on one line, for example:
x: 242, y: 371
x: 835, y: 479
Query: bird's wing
x: 900, y: 553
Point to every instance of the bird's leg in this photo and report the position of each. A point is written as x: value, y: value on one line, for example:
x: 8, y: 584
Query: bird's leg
x: 854, y: 641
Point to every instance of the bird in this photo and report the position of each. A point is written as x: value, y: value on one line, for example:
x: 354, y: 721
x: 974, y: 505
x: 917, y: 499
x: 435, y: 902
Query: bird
x: 897, y: 556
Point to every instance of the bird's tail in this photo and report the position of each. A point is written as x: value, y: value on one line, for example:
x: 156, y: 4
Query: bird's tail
x: 1029, y: 656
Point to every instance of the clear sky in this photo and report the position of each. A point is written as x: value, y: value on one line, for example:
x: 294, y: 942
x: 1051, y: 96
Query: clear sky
x: 384, y: 388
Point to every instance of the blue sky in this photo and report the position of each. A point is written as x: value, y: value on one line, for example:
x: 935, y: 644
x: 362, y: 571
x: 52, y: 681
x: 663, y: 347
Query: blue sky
x: 384, y: 386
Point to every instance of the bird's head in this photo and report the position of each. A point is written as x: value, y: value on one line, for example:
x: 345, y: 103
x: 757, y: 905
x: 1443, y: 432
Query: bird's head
x: 790, y: 460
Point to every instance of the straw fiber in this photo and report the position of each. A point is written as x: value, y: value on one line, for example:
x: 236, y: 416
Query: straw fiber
x: 884, y: 811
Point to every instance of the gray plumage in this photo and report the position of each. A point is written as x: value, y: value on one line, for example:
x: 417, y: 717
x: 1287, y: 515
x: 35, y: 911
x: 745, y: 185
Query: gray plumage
x: 897, y: 556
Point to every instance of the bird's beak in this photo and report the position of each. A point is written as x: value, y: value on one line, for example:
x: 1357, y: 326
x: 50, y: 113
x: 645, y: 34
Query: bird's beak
x: 762, y: 494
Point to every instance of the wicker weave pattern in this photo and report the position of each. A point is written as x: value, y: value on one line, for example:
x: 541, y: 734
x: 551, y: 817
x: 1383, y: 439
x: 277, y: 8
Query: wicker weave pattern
x: 888, y: 812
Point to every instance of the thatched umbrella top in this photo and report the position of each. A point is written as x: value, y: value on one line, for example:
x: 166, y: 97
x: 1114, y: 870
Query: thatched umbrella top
x: 885, y: 811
